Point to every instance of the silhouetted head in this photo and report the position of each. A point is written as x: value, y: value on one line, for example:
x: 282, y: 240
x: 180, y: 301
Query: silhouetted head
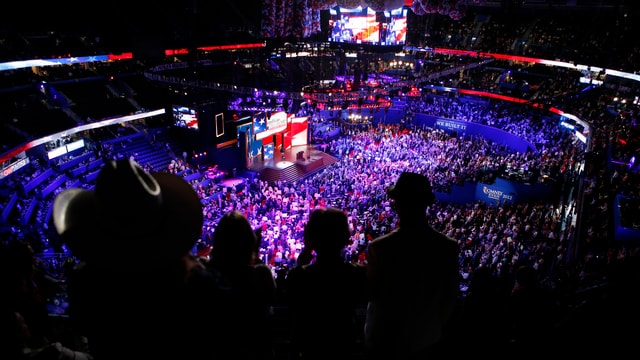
x: 234, y: 240
x: 327, y: 230
x: 526, y: 276
x: 157, y: 214
x: 411, y: 191
x: 16, y: 259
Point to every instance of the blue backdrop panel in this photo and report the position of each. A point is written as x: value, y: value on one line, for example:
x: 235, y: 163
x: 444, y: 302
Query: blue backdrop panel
x: 465, y: 128
x: 500, y: 191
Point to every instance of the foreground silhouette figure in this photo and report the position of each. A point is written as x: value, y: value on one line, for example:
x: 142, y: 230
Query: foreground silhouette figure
x: 412, y: 277
x: 324, y: 296
x: 137, y: 291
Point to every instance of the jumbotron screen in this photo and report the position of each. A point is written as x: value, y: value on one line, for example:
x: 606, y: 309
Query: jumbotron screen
x: 365, y: 26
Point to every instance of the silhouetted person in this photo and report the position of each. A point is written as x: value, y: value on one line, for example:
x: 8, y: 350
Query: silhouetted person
x: 533, y: 313
x: 480, y: 326
x: 18, y: 344
x: 137, y: 291
x: 603, y: 325
x: 23, y: 291
x: 324, y: 296
x: 246, y: 327
x: 413, y: 278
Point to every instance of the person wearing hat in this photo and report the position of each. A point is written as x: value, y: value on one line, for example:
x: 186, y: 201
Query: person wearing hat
x: 412, y: 278
x: 136, y: 291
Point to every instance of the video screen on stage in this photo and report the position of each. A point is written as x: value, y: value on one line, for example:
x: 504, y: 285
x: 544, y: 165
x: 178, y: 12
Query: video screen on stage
x: 366, y: 26
x: 275, y: 123
x: 185, y: 117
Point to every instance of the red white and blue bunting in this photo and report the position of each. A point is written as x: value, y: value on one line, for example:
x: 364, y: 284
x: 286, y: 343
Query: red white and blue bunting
x: 301, y: 18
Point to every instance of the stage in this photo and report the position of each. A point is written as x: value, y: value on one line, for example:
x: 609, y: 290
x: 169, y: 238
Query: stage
x: 293, y: 164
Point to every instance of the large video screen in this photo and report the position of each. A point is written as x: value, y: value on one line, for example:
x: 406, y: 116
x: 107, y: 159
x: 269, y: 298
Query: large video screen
x: 365, y: 26
x: 275, y: 123
x: 185, y: 117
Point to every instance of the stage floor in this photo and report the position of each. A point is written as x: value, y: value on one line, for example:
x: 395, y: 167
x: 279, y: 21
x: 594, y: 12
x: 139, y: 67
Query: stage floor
x: 292, y: 164
x: 283, y: 160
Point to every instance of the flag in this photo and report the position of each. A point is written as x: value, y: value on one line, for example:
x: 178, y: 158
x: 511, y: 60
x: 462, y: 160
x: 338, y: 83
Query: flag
x: 268, y: 151
x: 259, y: 123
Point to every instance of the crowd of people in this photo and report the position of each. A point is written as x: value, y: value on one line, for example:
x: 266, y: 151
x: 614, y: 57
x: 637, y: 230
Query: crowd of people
x: 498, y: 239
x: 172, y: 303
x: 386, y: 302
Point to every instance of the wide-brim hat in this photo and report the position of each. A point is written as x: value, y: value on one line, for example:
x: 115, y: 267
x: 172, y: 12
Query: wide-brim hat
x: 157, y: 214
x: 411, y: 186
